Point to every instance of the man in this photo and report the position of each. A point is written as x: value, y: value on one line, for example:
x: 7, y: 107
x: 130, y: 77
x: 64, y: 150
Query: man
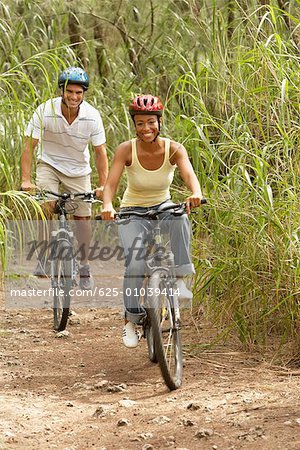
x: 61, y: 129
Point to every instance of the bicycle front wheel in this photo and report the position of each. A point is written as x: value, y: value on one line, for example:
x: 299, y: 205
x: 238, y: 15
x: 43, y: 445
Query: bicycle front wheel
x: 165, y: 324
x: 150, y: 340
x: 62, y: 284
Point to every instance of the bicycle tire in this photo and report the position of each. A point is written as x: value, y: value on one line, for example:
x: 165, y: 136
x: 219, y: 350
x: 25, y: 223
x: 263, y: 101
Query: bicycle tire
x: 150, y: 342
x: 62, y: 278
x: 165, y: 326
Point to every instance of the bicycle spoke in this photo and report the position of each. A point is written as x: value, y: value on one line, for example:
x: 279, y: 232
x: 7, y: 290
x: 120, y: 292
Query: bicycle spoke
x: 169, y: 344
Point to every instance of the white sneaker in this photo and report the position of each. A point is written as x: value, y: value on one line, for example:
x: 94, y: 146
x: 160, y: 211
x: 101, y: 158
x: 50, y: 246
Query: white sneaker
x: 184, y: 292
x: 130, y: 335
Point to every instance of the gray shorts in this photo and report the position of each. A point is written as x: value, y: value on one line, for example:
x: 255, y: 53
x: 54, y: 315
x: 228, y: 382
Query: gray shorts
x: 48, y: 178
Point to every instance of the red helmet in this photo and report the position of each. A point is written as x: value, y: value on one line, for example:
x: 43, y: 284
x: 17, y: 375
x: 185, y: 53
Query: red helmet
x: 146, y: 104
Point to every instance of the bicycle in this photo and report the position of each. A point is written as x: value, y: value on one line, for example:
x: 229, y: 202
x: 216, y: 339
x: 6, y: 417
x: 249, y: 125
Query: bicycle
x: 159, y: 296
x: 63, y: 266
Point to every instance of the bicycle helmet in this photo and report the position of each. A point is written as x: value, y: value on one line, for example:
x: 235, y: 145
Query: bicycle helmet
x: 146, y: 104
x: 74, y: 75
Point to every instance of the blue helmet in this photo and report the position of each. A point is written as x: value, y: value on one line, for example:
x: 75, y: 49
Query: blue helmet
x: 74, y: 75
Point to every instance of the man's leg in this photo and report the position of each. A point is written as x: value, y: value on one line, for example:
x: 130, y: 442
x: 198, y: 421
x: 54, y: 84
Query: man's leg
x: 83, y: 233
x: 46, y: 179
x: 83, y: 227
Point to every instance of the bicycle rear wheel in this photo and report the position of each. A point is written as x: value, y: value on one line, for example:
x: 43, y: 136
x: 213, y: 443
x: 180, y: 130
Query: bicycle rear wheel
x: 165, y: 324
x: 62, y: 284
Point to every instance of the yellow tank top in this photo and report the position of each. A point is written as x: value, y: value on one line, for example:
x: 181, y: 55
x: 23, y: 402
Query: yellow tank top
x: 148, y: 187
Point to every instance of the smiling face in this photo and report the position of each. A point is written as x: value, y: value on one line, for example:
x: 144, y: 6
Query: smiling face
x: 73, y: 95
x: 147, y: 126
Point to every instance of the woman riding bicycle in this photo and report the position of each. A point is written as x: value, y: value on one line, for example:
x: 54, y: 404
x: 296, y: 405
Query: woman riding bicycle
x: 149, y: 161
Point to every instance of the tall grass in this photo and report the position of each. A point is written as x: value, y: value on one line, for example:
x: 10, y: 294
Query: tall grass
x: 28, y: 76
x: 241, y: 115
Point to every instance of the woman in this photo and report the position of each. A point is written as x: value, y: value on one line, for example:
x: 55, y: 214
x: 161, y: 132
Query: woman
x: 149, y: 161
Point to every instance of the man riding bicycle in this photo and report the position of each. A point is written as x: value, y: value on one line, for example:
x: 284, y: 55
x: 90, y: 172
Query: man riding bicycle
x: 61, y: 129
x: 149, y: 161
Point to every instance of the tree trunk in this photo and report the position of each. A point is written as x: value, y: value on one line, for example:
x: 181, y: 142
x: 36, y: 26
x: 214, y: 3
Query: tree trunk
x: 76, y: 39
x: 100, y: 52
x: 132, y: 54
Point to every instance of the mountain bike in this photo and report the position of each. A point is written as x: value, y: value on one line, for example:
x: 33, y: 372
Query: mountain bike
x: 159, y: 296
x: 63, y: 265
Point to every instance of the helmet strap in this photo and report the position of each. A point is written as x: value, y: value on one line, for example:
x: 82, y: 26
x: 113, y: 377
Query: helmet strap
x: 158, y: 118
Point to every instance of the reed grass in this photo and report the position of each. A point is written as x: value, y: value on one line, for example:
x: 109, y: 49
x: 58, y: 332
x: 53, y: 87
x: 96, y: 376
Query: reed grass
x: 244, y: 145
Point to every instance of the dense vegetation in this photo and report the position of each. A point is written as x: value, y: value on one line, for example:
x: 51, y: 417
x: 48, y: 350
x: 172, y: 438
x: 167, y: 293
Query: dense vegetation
x: 229, y: 74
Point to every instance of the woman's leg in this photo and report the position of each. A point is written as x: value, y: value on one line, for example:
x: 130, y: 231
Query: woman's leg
x: 132, y: 236
x: 180, y: 237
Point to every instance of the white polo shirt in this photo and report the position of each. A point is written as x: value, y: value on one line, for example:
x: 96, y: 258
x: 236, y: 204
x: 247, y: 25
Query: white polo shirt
x: 64, y: 146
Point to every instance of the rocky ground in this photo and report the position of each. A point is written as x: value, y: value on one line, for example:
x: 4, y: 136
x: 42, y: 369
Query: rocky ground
x: 85, y: 390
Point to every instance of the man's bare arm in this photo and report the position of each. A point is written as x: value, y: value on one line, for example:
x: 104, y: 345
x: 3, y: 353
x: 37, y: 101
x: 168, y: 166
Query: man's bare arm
x: 101, y: 165
x: 26, y: 163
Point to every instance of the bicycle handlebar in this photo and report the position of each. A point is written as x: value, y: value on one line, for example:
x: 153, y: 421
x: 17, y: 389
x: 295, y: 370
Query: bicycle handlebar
x: 88, y: 196
x: 178, y: 210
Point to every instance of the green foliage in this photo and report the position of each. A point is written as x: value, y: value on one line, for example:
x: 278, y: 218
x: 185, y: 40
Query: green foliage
x: 20, y: 205
x: 228, y: 73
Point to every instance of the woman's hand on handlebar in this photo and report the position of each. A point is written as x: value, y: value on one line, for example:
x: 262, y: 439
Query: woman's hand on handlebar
x: 193, y: 201
x: 108, y: 213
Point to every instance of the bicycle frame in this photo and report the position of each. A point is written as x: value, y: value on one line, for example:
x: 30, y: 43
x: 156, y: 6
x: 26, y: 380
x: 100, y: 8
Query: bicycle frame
x: 62, y: 234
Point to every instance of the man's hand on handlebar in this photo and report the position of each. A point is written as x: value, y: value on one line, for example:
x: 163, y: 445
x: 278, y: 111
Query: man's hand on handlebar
x: 28, y: 186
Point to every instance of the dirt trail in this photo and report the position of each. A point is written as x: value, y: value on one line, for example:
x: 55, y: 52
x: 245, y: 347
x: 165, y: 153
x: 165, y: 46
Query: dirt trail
x: 86, y: 391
